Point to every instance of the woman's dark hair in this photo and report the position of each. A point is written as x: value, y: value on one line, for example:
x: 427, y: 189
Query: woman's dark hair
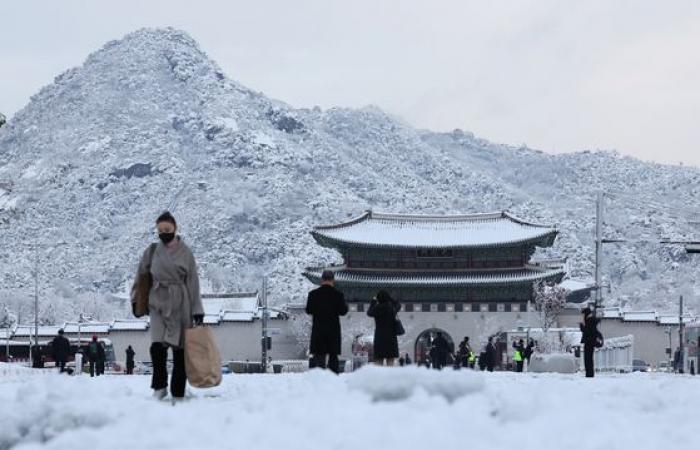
x: 383, y: 296
x: 166, y: 217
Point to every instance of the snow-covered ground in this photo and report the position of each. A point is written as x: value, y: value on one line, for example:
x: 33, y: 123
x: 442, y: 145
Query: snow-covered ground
x: 373, y: 408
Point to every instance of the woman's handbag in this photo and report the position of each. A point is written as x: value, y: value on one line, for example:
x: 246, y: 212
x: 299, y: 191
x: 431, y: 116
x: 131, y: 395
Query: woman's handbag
x: 202, y: 358
x: 398, y: 327
x: 141, y: 288
x: 599, y: 341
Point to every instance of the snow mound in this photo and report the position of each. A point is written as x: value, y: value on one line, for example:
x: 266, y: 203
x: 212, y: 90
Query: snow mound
x: 42, y: 410
x: 396, y: 384
x: 14, y: 370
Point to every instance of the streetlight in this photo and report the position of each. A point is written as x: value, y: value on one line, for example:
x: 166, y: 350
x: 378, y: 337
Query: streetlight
x: 35, y: 247
x: 670, y: 348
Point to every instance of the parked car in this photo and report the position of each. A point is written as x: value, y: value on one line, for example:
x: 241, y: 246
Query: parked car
x: 639, y: 365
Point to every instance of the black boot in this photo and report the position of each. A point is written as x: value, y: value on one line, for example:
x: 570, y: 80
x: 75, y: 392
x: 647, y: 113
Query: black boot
x: 159, y: 357
x: 179, y: 377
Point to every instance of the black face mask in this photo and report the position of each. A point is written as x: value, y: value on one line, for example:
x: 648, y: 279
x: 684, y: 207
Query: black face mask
x: 166, y: 237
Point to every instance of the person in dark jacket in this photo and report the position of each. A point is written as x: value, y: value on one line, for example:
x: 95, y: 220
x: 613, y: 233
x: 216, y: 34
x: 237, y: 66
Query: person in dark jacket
x: 60, y: 349
x: 383, y: 309
x: 326, y: 304
x: 407, y: 360
x: 130, y: 360
x: 590, y: 335
x: 101, y: 357
x: 439, y: 351
x: 93, y: 354
x: 482, y: 361
x: 529, y: 350
x: 490, y: 354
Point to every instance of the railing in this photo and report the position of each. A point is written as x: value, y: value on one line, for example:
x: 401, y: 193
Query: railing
x: 616, y: 355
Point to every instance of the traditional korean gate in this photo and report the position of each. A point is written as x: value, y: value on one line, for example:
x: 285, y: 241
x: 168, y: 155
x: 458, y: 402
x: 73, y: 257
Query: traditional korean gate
x: 425, y: 341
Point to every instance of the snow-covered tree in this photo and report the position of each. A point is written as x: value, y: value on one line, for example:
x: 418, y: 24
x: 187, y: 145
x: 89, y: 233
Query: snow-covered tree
x: 7, y: 319
x: 549, y: 301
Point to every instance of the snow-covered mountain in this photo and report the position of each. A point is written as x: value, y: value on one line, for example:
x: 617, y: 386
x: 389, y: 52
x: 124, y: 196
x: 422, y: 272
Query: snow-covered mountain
x: 150, y: 123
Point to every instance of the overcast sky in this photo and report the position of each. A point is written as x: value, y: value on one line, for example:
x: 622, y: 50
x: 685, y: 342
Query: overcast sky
x: 554, y: 74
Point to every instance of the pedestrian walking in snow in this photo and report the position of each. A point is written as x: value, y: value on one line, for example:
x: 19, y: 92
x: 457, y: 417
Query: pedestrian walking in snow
x: 383, y: 309
x: 490, y: 355
x: 93, y: 354
x: 174, y: 304
x: 130, y: 360
x: 60, y: 349
x: 439, y: 351
x: 325, y: 305
x: 591, y: 338
x: 407, y: 360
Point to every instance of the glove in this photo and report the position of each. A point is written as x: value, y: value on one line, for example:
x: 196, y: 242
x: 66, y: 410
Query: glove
x: 198, y: 319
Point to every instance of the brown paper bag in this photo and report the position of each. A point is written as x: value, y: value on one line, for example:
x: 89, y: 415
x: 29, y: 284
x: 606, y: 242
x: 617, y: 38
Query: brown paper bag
x: 202, y: 359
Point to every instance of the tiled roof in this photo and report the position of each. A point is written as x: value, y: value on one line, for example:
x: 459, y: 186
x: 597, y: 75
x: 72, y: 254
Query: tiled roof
x: 129, y: 325
x: 434, y: 231
x: 374, y: 278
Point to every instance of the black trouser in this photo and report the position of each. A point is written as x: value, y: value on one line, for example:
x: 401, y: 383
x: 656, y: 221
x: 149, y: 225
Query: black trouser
x: 489, y: 367
x: 319, y: 361
x: 159, y: 358
x: 93, y: 368
x: 129, y: 368
x: 61, y: 366
x: 518, y: 366
x: 588, y: 350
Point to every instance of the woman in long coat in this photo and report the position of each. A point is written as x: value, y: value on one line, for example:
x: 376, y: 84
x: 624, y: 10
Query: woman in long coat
x: 174, y: 304
x: 386, y: 345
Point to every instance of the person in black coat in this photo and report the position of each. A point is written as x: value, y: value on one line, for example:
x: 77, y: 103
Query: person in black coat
x: 490, y: 354
x: 440, y: 351
x: 386, y: 345
x: 93, y: 354
x: 325, y: 305
x: 60, y: 349
x: 589, y: 338
x: 130, y: 360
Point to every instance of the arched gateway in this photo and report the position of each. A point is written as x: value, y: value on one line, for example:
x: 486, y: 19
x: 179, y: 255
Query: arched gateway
x: 425, y: 341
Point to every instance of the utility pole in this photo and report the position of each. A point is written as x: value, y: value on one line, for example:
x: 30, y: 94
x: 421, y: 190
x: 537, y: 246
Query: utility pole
x: 598, y: 248
x: 264, y: 326
x: 36, y: 296
x: 680, y: 336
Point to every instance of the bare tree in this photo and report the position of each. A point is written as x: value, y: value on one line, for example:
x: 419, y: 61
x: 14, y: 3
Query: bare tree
x: 549, y: 301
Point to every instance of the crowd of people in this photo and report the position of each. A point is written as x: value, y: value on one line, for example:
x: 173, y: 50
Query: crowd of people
x: 326, y: 305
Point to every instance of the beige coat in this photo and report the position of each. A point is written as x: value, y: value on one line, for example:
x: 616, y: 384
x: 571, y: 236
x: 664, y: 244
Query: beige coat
x: 174, y: 297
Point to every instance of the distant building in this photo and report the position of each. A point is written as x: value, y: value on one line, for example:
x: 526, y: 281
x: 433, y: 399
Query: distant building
x: 233, y: 318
